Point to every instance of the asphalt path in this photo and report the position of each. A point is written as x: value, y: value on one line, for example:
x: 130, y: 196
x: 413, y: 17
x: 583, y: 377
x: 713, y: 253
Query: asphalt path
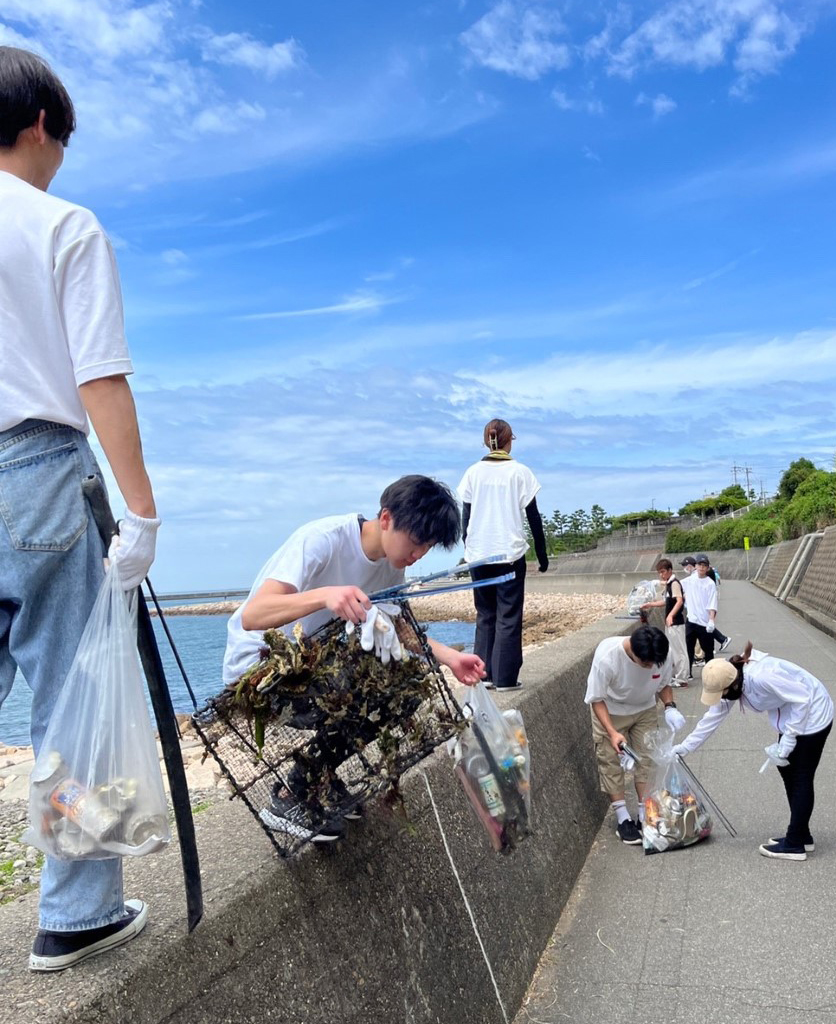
x: 714, y: 932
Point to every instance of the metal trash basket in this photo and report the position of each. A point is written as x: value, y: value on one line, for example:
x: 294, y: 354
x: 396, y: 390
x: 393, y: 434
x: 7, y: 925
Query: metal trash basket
x: 384, y: 719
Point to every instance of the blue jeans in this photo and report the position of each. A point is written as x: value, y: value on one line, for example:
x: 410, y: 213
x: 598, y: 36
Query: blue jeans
x: 50, y: 573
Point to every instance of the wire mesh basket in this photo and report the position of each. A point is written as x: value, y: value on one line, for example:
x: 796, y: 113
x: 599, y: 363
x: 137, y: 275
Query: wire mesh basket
x: 326, y: 722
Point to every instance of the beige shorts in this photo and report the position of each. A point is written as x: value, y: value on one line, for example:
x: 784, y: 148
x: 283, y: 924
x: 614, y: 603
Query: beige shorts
x: 637, y: 730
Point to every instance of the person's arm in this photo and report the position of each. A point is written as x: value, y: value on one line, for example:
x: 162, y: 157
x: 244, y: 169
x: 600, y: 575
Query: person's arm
x: 535, y: 522
x: 706, y: 726
x: 601, y: 712
x: 467, y: 668
x: 276, y: 604
x: 787, y: 681
x: 110, y: 406
x: 465, y: 519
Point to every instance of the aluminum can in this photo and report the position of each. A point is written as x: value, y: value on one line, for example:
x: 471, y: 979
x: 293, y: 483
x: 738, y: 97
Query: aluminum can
x: 83, y: 808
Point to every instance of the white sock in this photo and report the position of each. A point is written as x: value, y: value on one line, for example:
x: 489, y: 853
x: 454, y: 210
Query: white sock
x: 641, y: 812
x: 621, y: 812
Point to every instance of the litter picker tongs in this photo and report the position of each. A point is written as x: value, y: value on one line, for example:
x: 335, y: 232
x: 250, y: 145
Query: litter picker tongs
x: 421, y: 586
x: 726, y: 823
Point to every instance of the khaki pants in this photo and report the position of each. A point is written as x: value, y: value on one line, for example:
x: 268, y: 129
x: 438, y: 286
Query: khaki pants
x: 679, y: 653
x: 636, y: 729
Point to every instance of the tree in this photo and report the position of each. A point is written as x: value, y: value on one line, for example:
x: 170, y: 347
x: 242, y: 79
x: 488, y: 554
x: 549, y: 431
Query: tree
x: 794, y: 475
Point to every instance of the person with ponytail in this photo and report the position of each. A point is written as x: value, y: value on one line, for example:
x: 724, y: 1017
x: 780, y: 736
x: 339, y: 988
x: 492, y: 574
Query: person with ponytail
x: 799, y: 708
x: 497, y: 494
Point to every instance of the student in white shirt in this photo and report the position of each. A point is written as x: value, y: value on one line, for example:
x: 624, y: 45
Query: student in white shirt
x: 498, y: 493
x: 63, y: 359
x: 701, y: 601
x: 627, y: 676
x: 799, y: 708
x: 326, y: 570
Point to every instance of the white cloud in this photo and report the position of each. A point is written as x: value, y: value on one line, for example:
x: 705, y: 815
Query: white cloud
x: 584, y: 106
x: 359, y: 303
x: 660, y: 104
x: 227, y: 118
x: 242, y: 50
x: 755, y: 35
x: 174, y: 257
x: 518, y: 39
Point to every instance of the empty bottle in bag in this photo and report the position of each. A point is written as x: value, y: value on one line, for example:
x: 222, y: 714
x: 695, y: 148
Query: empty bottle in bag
x: 477, y: 768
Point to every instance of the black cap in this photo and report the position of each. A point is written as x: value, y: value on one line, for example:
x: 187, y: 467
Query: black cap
x: 702, y: 559
x: 688, y: 560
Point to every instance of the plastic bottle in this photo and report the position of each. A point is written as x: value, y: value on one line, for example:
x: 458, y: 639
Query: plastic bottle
x: 477, y: 768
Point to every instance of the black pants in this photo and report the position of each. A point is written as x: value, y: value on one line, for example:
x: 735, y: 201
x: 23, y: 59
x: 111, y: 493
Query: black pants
x: 798, y: 778
x: 499, y: 614
x: 694, y: 632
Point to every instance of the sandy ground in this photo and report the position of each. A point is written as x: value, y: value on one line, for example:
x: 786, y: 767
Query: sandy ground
x: 546, y: 617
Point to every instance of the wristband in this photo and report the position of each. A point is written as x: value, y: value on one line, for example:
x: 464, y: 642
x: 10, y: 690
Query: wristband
x: 670, y: 704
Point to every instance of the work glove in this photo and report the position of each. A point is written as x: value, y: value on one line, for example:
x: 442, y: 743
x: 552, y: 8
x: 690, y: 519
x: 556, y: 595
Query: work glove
x: 773, y: 756
x: 675, y: 719
x: 627, y: 763
x: 681, y: 749
x: 544, y: 565
x: 378, y: 633
x: 132, y: 549
x: 710, y: 627
x: 786, y: 745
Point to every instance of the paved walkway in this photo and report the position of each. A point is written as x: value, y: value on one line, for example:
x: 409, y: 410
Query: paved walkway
x: 715, y: 932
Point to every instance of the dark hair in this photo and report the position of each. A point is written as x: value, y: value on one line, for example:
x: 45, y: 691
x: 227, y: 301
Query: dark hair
x: 664, y: 563
x: 497, y: 434
x: 649, y: 644
x: 27, y: 86
x: 425, y: 509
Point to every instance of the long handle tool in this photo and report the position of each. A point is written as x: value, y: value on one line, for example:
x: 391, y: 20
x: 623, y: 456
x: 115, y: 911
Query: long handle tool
x: 726, y: 823
x: 169, y: 734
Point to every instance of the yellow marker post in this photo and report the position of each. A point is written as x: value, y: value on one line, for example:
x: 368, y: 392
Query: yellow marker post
x: 746, y: 549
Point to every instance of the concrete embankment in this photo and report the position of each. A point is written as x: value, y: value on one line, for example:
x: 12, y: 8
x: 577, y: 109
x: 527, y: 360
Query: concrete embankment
x: 375, y: 929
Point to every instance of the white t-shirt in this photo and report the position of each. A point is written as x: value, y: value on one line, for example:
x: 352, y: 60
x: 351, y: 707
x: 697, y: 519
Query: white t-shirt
x: 324, y: 553
x: 61, y: 321
x: 700, y: 598
x: 625, y: 687
x: 796, y: 702
x: 498, y: 492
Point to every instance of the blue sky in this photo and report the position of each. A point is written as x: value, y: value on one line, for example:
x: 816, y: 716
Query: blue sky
x: 350, y: 233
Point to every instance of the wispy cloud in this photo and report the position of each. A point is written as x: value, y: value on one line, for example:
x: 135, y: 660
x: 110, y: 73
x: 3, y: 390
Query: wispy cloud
x: 659, y: 104
x: 727, y: 268
x: 583, y: 105
x: 242, y: 50
x: 519, y: 39
x: 360, y: 303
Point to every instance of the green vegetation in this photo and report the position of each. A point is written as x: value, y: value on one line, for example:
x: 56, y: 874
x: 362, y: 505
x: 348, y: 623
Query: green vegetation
x: 729, y: 499
x: 812, y: 505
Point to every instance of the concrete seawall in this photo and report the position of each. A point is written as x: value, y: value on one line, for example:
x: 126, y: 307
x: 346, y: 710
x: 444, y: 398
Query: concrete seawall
x: 373, y: 930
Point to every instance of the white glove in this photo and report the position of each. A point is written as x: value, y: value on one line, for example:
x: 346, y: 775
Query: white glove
x: 133, y: 548
x: 710, y: 627
x: 786, y: 745
x: 675, y: 719
x: 681, y: 749
x: 773, y: 756
x: 378, y: 633
x: 627, y: 763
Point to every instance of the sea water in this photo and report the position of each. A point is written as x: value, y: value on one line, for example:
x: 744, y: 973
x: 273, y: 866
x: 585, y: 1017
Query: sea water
x: 200, y: 640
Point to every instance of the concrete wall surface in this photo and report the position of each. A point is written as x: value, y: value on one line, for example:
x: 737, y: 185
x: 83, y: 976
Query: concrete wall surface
x: 818, y: 586
x: 777, y: 563
x: 372, y: 929
x: 732, y: 564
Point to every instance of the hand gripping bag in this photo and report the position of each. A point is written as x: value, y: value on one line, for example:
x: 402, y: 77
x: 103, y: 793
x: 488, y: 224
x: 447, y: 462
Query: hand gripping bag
x: 96, y: 790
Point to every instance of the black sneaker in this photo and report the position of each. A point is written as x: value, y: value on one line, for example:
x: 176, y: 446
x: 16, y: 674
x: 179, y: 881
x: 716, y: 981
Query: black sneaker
x: 628, y: 832
x: 780, y: 851
x: 809, y: 845
x: 54, y: 951
x: 725, y: 643
x: 286, y: 815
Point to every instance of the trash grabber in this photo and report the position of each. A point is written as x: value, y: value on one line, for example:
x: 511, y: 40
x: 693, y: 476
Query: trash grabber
x: 164, y: 713
x: 726, y: 823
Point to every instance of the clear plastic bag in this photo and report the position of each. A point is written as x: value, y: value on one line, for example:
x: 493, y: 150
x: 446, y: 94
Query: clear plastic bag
x: 492, y: 760
x: 642, y: 593
x: 96, y: 790
x: 675, y: 807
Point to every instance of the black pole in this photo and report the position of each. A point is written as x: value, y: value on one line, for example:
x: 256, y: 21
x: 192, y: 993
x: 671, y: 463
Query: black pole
x: 149, y: 654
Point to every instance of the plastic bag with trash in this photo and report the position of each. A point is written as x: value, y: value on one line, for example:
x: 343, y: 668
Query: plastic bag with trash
x: 642, y: 593
x: 675, y: 806
x: 96, y: 790
x: 492, y: 760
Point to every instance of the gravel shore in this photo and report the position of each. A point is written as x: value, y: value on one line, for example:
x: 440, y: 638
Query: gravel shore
x: 547, y: 616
